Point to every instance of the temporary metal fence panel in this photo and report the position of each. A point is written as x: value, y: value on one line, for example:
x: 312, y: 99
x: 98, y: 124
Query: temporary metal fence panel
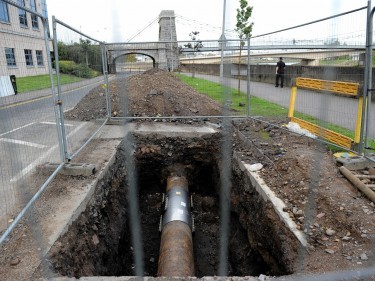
x: 28, y: 135
x: 81, y: 58
x: 330, y: 49
x: 333, y: 50
x: 218, y: 69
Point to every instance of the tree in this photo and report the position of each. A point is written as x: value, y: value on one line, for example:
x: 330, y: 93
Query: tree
x: 196, y: 46
x: 243, y: 28
x: 85, y: 45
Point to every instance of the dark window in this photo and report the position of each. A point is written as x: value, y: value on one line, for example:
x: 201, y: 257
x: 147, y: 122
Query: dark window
x: 4, y: 15
x: 39, y: 57
x: 9, y: 54
x: 29, y: 57
x: 34, y: 18
x: 22, y: 13
x: 34, y: 21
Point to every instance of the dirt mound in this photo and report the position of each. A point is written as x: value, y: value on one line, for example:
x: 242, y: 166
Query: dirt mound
x: 152, y: 93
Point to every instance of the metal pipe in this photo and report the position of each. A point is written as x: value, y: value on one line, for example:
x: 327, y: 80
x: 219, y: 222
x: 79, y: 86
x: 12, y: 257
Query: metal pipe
x: 222, y: 42
x: 53, y: 91
x: 368, y: 68
x: 179, y: 117
x: 369, y: 83
x: 77, y: 31
x: 311, y: 22
x: 59, y: 102
x: 176, y: 245
x: 106, y: 81
x: 248, y: 79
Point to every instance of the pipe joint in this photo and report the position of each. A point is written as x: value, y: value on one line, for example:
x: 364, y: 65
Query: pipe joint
x: 177, y: 206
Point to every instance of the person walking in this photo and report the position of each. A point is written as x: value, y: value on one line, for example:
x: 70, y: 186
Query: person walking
x: 280, y: 68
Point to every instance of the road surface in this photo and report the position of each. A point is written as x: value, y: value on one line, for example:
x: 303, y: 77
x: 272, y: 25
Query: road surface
x: 28, y: 138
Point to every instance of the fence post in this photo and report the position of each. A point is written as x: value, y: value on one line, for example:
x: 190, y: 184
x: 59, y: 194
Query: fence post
x: 248, y: 79
x: 50, y: 69
x: 58, y: 101
x: 293, y: 95
x: 369, y: 76
x: 106, y: 81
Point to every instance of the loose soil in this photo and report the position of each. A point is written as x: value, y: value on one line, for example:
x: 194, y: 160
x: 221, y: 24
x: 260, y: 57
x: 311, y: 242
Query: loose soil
x: 337, y: 219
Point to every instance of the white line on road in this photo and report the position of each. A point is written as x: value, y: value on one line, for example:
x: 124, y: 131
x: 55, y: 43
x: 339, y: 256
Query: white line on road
x: 23, y: 143
x: 32, y: 165
x: 17, y: 129
x: 54, y: 123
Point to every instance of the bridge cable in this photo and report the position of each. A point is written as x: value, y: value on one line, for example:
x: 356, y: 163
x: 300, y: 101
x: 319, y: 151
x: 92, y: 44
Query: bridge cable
x: 213, y: 27
x: 143, y: 29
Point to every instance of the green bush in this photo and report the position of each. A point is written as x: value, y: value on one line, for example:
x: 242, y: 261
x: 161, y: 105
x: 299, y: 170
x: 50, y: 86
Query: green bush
x: 67, y: 66
x: 79, y: 70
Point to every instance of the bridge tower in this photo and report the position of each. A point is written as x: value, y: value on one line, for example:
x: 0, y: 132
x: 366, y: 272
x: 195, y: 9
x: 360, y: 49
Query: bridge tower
x: 164, y: 53
x: 168, y: 35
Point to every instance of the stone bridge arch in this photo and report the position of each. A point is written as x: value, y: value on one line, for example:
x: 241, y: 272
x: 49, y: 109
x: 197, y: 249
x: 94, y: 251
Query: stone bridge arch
x: 164, y: 53
x: 151, y: 55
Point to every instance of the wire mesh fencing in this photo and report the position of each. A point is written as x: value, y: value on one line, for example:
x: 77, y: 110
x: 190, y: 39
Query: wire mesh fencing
x: 81, y: 57
x: 240, y: 76
x: 28, y: 134
x: 34, y: 96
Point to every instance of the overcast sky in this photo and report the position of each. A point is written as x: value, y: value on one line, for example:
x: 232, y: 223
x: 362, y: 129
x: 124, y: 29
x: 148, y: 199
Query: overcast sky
x: 119, y: 20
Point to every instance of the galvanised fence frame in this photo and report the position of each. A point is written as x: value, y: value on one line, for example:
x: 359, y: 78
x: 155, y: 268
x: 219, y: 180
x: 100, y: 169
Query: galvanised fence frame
x: 58, y: 106
x: 222, y: 46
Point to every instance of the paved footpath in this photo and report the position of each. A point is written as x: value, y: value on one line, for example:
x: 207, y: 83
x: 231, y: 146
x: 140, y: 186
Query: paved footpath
x: 331, y: 108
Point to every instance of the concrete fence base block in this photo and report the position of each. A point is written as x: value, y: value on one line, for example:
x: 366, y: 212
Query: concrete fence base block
x: 70, y: 169
x: 115, y: 122
x: 355, y: 163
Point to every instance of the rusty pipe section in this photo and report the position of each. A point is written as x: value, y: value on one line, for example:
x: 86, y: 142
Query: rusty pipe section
x: 176, y: 245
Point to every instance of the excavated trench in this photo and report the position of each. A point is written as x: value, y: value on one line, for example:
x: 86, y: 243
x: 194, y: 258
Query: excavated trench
x: 99, y: 242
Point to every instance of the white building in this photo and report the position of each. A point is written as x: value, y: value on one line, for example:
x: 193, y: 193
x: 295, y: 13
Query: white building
x: 22, y: 45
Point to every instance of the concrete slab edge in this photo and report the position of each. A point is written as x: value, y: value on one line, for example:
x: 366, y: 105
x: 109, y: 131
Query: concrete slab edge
x: 81, y: 207
x: 278, y: 205
x: 91, y: 190
x: 356, y: 162
x: 145, y: 278
x: 70, y: 169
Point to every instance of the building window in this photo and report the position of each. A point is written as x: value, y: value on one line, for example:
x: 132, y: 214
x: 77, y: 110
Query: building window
x: 4, y: 15
x: 45, y: 15
x: 39, y: 57
x: 34, y: 21
x: 22, y: 13
x: 29, y: 57
x: 9, y: 54
x: 34, y: 18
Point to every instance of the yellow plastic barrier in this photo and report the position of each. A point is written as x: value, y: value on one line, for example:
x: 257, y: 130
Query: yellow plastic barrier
x: 346, y: 88
x: 326, y: 134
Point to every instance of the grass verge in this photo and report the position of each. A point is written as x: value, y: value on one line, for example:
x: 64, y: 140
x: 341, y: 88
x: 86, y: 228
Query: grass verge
x: 216, y: 91
x: 259, y: 107
x: 39, y: 82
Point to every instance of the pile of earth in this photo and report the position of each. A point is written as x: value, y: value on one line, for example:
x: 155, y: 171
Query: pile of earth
x: 153, y: 93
